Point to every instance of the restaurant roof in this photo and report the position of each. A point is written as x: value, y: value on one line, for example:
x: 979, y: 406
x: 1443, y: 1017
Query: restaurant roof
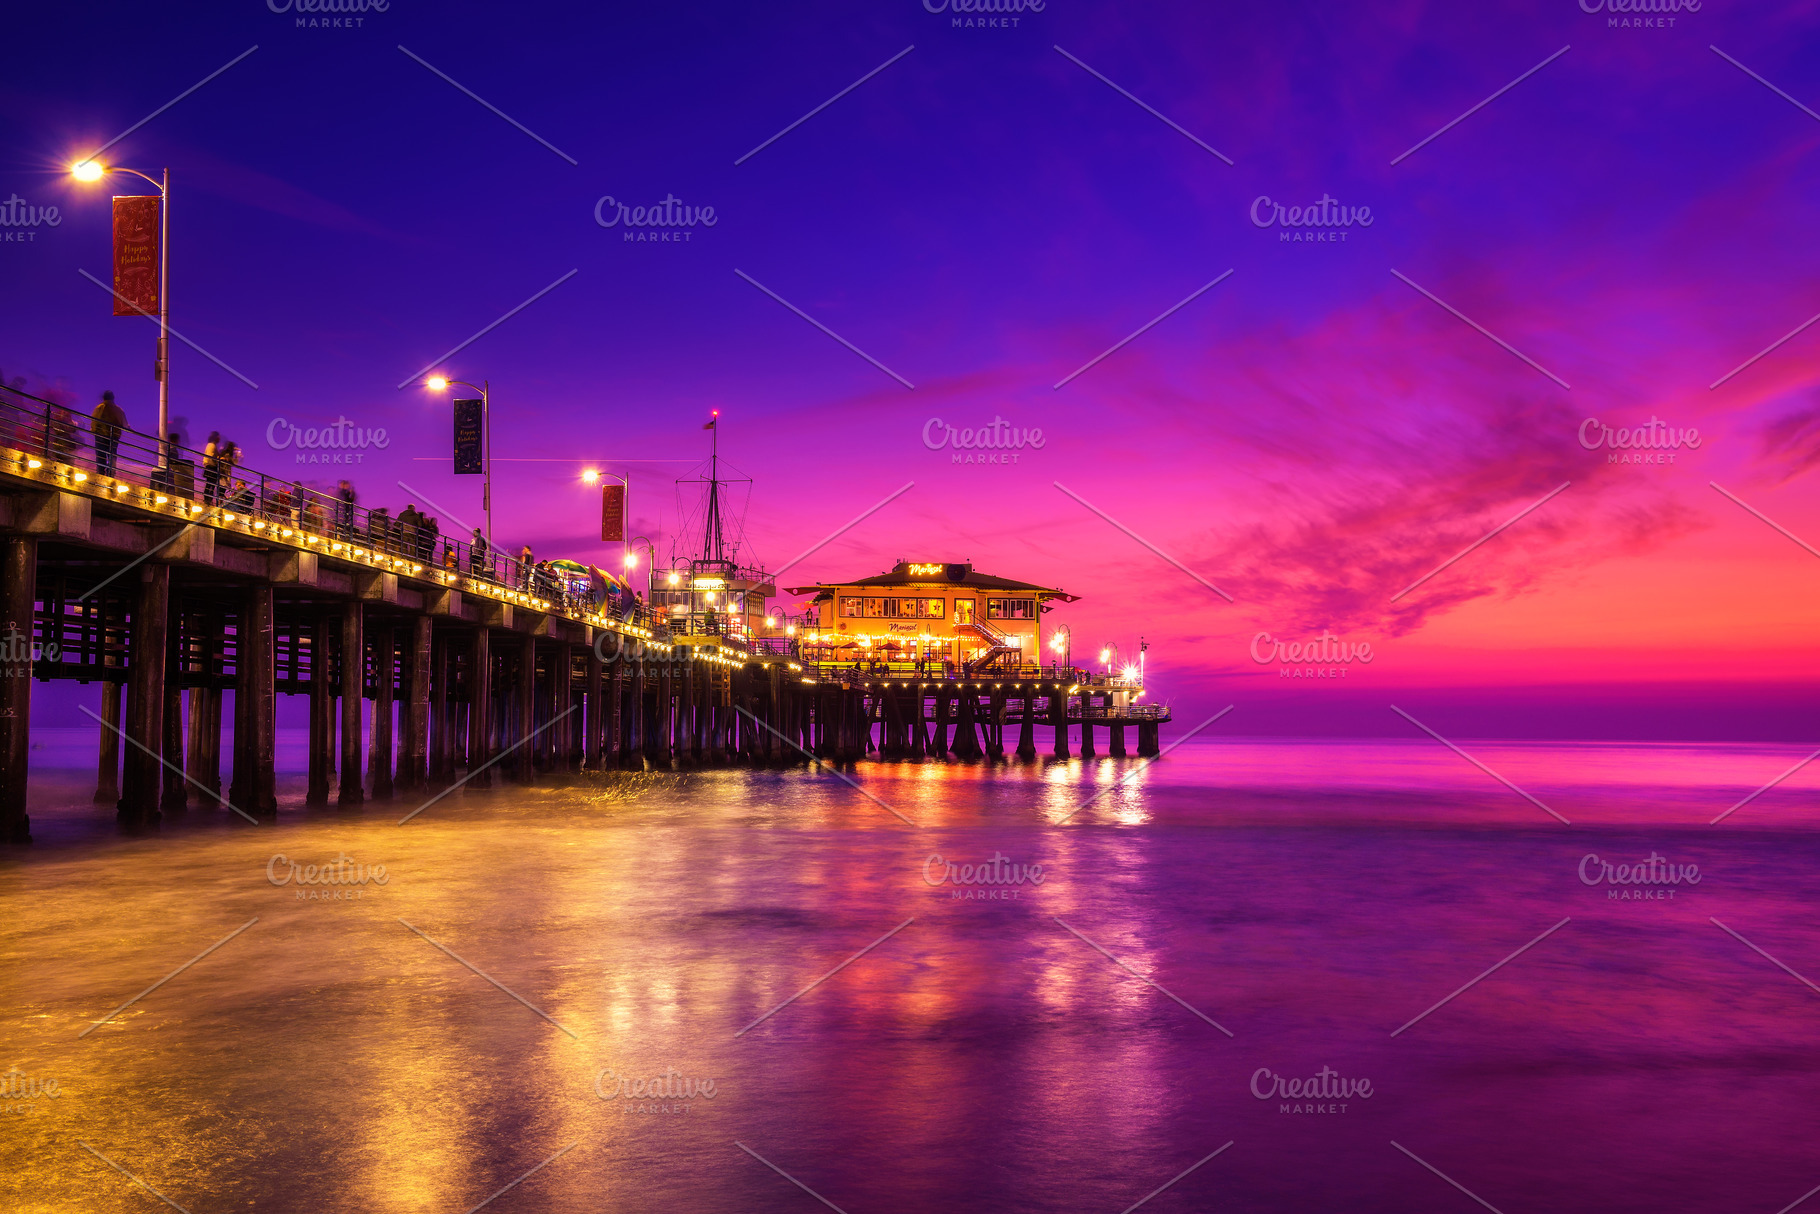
x: 917, y: 573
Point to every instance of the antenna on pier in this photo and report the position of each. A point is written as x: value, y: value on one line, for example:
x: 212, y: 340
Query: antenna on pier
x: 714, y: 520
x: 711, y: 539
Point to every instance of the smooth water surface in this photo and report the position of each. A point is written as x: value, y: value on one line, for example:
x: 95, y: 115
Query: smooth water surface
x: 1309, y: 898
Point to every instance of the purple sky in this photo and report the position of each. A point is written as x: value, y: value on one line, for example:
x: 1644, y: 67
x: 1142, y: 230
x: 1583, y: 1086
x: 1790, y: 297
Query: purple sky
x: 983, y: 217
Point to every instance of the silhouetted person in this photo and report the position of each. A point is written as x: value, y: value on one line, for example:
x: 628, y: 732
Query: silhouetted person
x: 211, y: 468
x: 480, y: 555
x: 107, y: 421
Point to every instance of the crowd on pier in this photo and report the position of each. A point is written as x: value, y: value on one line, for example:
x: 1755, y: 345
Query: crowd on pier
x: 216, y: 476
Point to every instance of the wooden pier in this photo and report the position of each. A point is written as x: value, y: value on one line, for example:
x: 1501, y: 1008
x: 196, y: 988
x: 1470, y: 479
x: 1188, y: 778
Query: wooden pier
x: 424, y: 664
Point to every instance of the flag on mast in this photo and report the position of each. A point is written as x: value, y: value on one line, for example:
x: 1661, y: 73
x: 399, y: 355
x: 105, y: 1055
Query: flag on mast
x: 714, y: 417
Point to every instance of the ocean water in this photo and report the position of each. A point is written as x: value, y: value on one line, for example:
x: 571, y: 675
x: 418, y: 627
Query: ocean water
x: 1238, y: 912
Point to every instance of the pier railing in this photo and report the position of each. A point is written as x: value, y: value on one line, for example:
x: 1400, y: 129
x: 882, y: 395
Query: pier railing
x: 49, y: 432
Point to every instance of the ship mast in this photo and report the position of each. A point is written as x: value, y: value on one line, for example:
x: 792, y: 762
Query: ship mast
x: 712, y: 541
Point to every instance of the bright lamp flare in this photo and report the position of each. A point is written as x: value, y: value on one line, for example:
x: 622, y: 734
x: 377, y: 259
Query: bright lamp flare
x: 631, y: 560
x: 436, y: 383
x: 590, y: 476
x: 87, y: 170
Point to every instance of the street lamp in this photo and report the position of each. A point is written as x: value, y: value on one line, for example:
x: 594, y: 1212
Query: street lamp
x: 592, y: 476
x: 1062, y: 641
x: 631, y: 561
x: 440, y: 383
x: 92, y: 170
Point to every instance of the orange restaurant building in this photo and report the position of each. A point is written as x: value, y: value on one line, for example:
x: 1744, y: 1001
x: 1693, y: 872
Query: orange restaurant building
x: 925, y: 612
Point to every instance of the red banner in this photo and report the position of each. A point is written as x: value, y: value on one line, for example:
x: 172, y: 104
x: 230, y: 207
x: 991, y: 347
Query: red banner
x: 136, y: 255
x: 612, y: 512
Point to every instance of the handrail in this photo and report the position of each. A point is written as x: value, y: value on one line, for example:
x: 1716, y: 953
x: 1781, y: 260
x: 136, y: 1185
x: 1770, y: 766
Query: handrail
x: 61, y: 434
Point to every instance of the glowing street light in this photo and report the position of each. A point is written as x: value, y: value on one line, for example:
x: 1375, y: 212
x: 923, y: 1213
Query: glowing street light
x: 630, y: 560
x: 92, y: 170
x: 589, y: 476
x: 441, y: 383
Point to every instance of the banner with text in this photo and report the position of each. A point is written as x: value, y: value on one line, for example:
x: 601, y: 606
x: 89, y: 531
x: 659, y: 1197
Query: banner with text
x: 612, y: 512
x: 467, y: 438
x: 136, y: 254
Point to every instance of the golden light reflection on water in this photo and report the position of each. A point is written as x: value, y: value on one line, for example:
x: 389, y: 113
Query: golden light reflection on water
x: 329, y: 1058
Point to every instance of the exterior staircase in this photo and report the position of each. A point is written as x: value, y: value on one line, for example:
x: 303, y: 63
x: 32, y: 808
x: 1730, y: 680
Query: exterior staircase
x: 998, y: 645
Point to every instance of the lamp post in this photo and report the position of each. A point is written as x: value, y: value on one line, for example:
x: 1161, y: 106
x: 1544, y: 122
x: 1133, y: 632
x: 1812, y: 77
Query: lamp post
x: 439, y: 383
x: 631, y: 560
x: 1062, y: 641
x: 590, y: 476
x: 1110, y: 657
x: 94, y: 170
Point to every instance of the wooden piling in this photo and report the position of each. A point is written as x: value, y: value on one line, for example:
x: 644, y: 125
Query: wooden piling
x: 480, y: 710
x: 1147, y: 739
x: 107, y: 774
x: 966, y: 738
x: 143, y: 775
x: 594, y: 743
x: 174, y: 797
x: 439, y: 762
x: 995, y: 730
x: 210, y: 776
x: 617, y: 750
x: 322, y: 711
x: 413, y: 765
x: 1026, y: 726
x: 526, y: 759
x: 660, y: 739
x: 256, y: 658
x: 380, y: 748
x: 353, y: 697
x: 18, y: 604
